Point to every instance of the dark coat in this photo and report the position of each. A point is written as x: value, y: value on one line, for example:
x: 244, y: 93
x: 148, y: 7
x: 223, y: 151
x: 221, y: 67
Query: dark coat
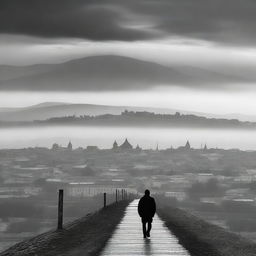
x: 147, y: 207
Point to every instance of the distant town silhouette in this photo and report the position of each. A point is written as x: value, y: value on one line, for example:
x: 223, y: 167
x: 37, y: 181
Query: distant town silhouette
x: 125, y: 146
x: 144, y: 118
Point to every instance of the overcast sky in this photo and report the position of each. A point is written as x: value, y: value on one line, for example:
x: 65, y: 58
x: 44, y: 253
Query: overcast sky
x: 216, y: 35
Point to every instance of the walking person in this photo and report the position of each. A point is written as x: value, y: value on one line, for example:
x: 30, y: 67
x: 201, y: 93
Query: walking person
x: 147, y: 210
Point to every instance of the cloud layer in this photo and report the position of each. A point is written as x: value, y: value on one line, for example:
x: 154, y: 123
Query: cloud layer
x: 65, y: 18
x: 222, y: 21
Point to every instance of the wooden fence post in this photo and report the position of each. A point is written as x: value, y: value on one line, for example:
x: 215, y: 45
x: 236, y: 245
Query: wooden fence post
x: 60, y: 209
x: 105, y: 199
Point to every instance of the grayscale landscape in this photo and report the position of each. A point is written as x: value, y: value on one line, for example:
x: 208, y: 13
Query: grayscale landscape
x: 104, y: 100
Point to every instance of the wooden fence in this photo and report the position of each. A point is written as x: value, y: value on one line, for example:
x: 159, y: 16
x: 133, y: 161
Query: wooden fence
x: 120, y: 195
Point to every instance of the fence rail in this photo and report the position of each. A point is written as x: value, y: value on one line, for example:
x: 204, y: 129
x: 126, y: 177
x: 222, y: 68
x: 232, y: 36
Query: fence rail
x: 120, y: 195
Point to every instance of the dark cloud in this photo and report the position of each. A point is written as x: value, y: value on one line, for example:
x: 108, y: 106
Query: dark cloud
x: 224, y: 21
x: 66, y: 18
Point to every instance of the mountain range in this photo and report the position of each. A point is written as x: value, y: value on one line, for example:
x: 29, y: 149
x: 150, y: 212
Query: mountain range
x: 106, y: 73
x: 103, y: 73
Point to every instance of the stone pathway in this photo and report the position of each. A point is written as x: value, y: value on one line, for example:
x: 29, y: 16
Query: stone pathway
x: 127, y: 240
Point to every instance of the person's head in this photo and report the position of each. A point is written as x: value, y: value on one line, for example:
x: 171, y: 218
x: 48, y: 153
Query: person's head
x: 147, y: 192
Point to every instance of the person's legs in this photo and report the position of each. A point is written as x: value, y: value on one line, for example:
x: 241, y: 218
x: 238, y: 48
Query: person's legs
x: 149, y: 228
x: 144, y: 229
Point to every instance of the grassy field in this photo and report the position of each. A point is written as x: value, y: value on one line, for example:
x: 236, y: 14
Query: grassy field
x: 85, y: 236
x: 201, y: 238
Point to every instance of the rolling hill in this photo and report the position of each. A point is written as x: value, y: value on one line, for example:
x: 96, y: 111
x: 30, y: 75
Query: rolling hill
x: 49, y: 110
x: 106, y: 73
